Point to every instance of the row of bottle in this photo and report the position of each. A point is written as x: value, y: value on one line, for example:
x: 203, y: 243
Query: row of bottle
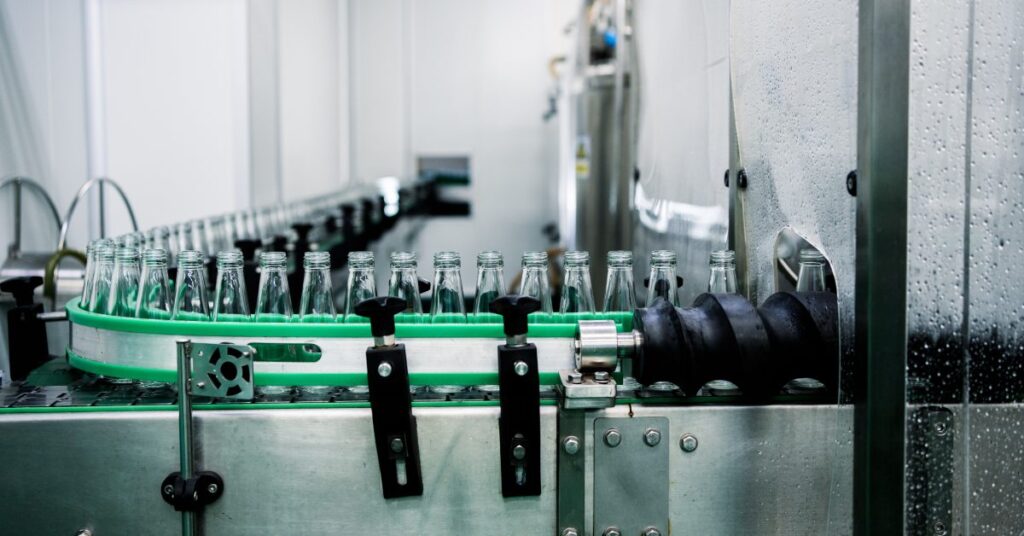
x: 122, y: 282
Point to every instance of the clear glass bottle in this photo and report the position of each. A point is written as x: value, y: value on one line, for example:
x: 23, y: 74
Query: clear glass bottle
x: 103, y: 277
x: 199, y: 238
x: 535, y: 279
x: 361, y: 283
x: 90, y: 269
x: 619, y: 291
x: 447, y: 303
x: 577, y: 291
x: 317, y: 303
x: 190, y: 298
x: 404, y: 282
x: 273, y: 301
x: 230, y: 303
x: 124, y: 286
x: 812, y: 271
x: 160, y: 238
x: 662, y: 282
x: 154, y: 295
x: 490, y: 284
x: 185, y: 241
x: 723, y: 272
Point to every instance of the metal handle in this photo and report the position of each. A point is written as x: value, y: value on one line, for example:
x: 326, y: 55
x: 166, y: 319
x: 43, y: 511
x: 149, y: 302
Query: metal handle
x: 78, y: 197
x: 50, y: 273
x: 18, y: 181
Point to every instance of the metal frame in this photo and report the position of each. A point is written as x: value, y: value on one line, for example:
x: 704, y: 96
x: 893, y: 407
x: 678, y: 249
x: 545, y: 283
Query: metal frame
x: 17, y: 181
x: 881, y: 338
x: 101, y: 181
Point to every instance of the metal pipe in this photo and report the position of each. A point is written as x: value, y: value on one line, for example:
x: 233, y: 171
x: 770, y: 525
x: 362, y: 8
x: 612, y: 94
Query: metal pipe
x: 17, y: 182
x: 61, y: 242
x: 185, y: 425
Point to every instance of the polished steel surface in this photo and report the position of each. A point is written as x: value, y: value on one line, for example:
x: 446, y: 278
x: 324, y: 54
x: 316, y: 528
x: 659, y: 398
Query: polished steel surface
x: 101, y: 182
x: 586, y: 390
x: 596, y: 345
x: 631, y: 474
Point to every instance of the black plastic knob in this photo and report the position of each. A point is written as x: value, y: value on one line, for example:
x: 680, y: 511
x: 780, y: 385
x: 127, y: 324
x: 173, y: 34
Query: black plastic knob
x: 514, y: 310
x: 302, y: 229
x: 22, y: 288
x: 381, y: 311
x: 248, y: 247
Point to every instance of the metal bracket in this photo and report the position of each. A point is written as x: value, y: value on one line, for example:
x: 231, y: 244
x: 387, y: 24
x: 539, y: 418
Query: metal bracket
x: 587, y: 390
x: 519, y: 424
x: 631, y: 473
x: 193, y: 494
x: 222, y: 371
x: 930, y: 445
x: 394, y: 427
x: 572, y: 485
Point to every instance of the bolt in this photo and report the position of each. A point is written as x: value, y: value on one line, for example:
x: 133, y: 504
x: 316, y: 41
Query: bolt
x: 612, y: 438
x: 200, y: 385
x: 741, y: 179
x: 519, y: 452
x: 688, y: 442
x: 384, y: 369
x: 521, y: 368
x: 652, y: 437
x: 612, y: 531
x: 941, y: 428
x: 940, y: 529
x: 651, y: 531
x: 397, y: 445
x: 168, y: 490
x: 601, y: 376
x: 570, y: 532
x: 576, y: 377
x: 851, y: 183
x: 212, y: 489
x: 571, y: 445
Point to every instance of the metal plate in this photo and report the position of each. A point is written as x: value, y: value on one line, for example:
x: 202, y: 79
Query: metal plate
x: 222, y: 371
x: 631, y: 475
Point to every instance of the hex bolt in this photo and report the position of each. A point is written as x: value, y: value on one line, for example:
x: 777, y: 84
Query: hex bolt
x: 384, y: 369
x: 612, y: 531
x: 570, y: 531
x: 571, y: 445
x: 521, y: 368
x: 652, y: 437
x: 519, y: 452
x: 601, y: 376
x: 397, y: 445
x: 168, y: 490
x: 212, y: 489
x: 652, y: 531
x: 576, y: 376
x: 688, y: 442
x: 612, y: 438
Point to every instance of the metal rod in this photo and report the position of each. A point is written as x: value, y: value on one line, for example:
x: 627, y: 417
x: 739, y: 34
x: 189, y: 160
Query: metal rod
x: 62, y: 241
x: 17, y: 182
x: 16, y: 246
x: 185, y: 425
x: 880, y: 371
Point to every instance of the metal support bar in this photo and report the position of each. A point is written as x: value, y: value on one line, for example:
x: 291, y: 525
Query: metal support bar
x: 572, y: 485
x: 188, y: 518
x: 881, y: 290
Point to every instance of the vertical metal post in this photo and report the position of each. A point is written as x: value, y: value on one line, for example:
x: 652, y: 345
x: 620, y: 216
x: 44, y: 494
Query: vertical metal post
x: 16, y: 245
x: 188, y: 519
x: 881, y: 293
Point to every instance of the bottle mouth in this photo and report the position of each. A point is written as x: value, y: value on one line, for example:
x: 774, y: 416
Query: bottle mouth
x: 620, y: 259
x: 314, y: 260
x: 723, y: 257
x: 403, y: 259
x: 535, y: 259
x: 447, y: 259
x: 490, y: 259
x: 229, y: 259
x: 105, y: 253
x: 577, y: 258
x: 154, y: 257
x: 811, y: 256
x: 127, y: 254
x: 663, y: 257
x: 273, y: 259
x: 190, y: 258
x: 360, y: 259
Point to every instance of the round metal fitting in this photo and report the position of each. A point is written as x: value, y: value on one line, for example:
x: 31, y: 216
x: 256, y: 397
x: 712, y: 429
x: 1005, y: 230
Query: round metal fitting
x: 613, y: 437
x: 596, y: 345
x: 397, y: 445
x: 651, y: 531
x: 601, y: 376
x: 570, y: 532
x: 652, y: 437
x: 571, y: 445
x: 851, y: 183
x: 612, y: 531
x: 168, y: 489
x: 212, y: 489
x: 384, y: 369
x: 518, y: 452
x: 521, y: 368
x: 940, y: 529
x: 688, y: 442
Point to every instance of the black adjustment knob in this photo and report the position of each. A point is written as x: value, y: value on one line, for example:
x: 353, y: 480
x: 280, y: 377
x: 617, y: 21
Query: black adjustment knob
x: 22, y: 288
x: 381, y: 311
x: 514, y: 309
x: 248, y: 247
x: 302, y: 229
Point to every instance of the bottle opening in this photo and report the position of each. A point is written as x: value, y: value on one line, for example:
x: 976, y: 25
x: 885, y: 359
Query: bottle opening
x: 314, y: 260
x: 490, y: 259
x: 620, y: 258
x: 535, y: 258
x: 577, y: 258
x: 360, y: 259
x: 273, y: 259
x: 403, y: 259
x: 663, y: 257
x: 154, y: 257
x: 447, y: 259
x: 229, y: 259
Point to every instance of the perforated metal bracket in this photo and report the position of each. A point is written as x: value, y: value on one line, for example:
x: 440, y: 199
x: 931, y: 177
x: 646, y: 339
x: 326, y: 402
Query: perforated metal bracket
x: 222, y: 370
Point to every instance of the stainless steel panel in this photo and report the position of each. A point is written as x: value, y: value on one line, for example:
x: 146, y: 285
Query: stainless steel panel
x: 631, y: 474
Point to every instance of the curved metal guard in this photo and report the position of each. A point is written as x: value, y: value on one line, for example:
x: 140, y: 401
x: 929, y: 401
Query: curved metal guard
x: 78, y: 197
x: 17, y: 182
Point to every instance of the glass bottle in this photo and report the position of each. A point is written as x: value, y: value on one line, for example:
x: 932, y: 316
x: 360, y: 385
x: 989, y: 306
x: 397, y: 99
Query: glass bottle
x: 577, y: 292
x: 447, y: 303
x: 160, y: 238
x: 230, y: 303
x: 90, y: 269
x: 273, y: 301
x: 185, y: 241
x: 662, y: 283
x: 490, y: 284
x: 102, y: 278
x: 619, y: 292
x: 154, y: 294
x: 404, y: 282
x: 812, y: 271
x: 361, y: 283
x: 535, y: 279
x: 317, y: 304
x: 190, y: 298
x: 124, y: 286
x: 723, y: 272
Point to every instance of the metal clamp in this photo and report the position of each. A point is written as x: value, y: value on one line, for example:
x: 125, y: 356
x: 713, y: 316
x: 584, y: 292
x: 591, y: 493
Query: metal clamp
x: 519, y: 424
x: 394, y: 426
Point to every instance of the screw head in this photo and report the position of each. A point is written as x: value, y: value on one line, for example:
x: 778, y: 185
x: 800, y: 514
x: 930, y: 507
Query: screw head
x: 612, y: 437
x: 851, y: 183
x: 397, y: 445
x: 200, y: 385
x: 212, y: 489
x: 688, y: 442
x: 570, y: 531
x: 521, y: 368
x: 652, y: 437
x: 576, y: 377
x: 601, y: 376
x: 571, y: 445
x: 940, y: 529
x: 384, y: 369
x: 941, y: 428
x: 168, y: 489
x: 519, y: 452
x: 741, y: 179
x: 612, y: 531
x: 651, y: 531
